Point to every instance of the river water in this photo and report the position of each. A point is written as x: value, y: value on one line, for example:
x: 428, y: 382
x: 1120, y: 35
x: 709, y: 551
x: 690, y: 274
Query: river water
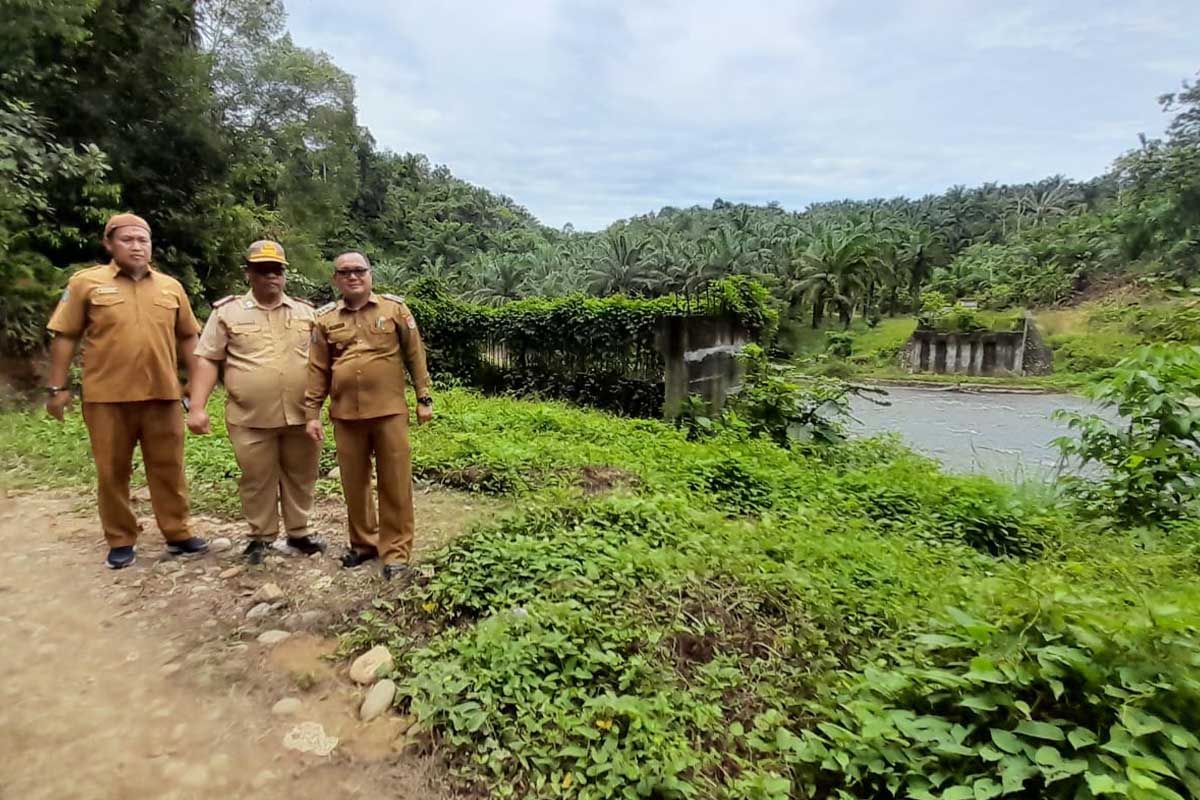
x: 1003, y: 435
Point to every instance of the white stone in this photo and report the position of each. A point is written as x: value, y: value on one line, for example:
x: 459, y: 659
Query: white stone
x: 267, y: 593
x: 259, y: 611
x: 287, y: 706
x: 310, y: 737
x: 272, y: 637
x: 366, y: 668
x: 220, y: 544
x: 334, y: 474
x: 378, y: 700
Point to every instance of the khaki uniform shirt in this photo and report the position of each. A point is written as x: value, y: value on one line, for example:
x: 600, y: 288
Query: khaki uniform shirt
x: 266, y: 358
x: 358, y: 358
x: 130, y: 332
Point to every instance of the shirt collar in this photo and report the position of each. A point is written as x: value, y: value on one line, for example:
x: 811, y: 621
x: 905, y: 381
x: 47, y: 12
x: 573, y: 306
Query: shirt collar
x: 284, y: 301
x: 371, y: 298
x: 114, y: 272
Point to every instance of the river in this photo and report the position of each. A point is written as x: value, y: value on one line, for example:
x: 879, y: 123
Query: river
x: 1003, y: 435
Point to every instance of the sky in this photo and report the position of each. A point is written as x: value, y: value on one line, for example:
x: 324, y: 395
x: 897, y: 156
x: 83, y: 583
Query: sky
x: 587, y: 112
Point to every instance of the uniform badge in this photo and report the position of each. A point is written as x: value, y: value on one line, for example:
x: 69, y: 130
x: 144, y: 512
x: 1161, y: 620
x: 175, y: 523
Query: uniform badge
x: 379, y: 323
x: 410, y: 321
x: 247, y: 303
x: 106, y: 290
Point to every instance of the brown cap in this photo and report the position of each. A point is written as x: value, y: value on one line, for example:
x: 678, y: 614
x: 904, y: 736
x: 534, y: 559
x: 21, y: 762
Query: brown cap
x: 124, y: 220
x: 265, y: 250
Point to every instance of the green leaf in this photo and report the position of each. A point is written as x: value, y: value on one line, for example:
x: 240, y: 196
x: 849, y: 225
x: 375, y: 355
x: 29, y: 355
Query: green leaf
x: 978, y: 703
x: 986, y: 789
x: 1104, y: 784
x: 1041, y: 730
x: 1081, y: 737
x: 1047, y: 756
x: 1140, y: 723
x: 1006, y: 741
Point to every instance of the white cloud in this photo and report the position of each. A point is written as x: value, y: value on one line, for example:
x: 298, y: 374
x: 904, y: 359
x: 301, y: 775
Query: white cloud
x: 591, y: 110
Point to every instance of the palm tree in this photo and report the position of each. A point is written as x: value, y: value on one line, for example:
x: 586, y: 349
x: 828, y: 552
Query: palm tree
x: 833, y: 269
x: 619, y: 266
x: 924, y: 250
x: 500, y: 281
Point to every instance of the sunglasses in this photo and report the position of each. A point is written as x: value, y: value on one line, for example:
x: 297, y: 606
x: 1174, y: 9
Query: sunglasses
x: 353, y: 272
x: 273, y: 269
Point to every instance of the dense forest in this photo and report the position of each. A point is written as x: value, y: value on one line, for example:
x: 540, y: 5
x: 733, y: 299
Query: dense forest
x: 208, y: 119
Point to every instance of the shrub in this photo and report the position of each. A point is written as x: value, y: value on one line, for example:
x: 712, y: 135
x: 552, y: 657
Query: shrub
x: 839, y: 344
x: 786, y: 412
x: 1151, y: 458
x: 1066, y: 701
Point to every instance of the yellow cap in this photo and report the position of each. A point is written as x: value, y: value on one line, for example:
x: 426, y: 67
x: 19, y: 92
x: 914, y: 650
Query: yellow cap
x: 124, y: 220
x: 266, y: 250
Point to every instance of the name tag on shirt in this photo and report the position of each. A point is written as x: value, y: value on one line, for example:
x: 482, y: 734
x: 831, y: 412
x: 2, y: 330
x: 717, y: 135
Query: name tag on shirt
x: 106, y: 290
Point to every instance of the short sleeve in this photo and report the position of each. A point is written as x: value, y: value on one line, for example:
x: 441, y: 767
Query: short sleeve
x: 70, y: 315
x: 214, y: 339
x: 185, y: 321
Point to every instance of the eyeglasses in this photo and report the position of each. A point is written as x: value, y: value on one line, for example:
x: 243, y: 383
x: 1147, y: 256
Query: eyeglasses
x: 353, y: 272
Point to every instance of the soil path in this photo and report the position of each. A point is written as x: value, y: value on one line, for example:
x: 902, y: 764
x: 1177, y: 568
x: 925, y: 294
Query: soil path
x: 150, y: 682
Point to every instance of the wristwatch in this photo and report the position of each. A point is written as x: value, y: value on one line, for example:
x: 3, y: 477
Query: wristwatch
x: 53, y: 390
x: 425, y: 401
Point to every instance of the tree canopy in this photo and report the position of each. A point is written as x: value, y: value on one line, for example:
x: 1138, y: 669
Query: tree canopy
x: 209, y: 120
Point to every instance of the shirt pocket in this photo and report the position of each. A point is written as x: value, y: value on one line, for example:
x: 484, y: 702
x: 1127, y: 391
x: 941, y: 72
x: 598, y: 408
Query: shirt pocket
x: 340, y: 340
x: 166, y: 307
x: 383, y: 329
x: 105, y: 310
x: 248, y: 338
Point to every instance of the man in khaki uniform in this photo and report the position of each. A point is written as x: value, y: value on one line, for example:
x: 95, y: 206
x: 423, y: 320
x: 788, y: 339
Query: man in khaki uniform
x: 263, y: 338
x: 360, y: 348
x: 135, y: 324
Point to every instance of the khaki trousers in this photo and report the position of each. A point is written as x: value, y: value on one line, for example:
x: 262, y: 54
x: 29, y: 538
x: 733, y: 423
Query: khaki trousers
x: 385, y: 438
x: 279, y: 470
x: 114, y: 429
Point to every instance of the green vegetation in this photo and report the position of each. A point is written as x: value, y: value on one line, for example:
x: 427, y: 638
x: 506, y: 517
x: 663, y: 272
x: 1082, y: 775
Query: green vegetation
x: 265, y: 142
x: 1152, y: 456
x: 724, y: 617
x: 595, y: 351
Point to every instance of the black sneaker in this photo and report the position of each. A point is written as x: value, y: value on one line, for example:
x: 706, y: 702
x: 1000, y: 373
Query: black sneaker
x: 306, y: 544
x: 120, y: 557
x: 401, y: 570
x: 188, y: 547
x: 355, y: 558
x: 256, y: 551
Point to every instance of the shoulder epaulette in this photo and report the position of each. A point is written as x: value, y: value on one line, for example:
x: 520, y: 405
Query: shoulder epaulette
x: 224, y: 300
x: 395, y: 298
x: 325, y: 309
x: 79, y: 273
x: 302, y: 300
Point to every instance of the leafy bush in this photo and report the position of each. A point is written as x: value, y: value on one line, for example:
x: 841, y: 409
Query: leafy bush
x: 1086, y: 353
x: 734, y: 485
x: 839, y: 344
x: 694, y: 418
x: 1151, y: 458
x: 1064, y: 701
x: 786, y: 412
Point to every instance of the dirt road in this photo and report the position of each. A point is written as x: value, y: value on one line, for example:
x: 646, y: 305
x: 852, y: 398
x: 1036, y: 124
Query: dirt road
x: 151, y: 682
